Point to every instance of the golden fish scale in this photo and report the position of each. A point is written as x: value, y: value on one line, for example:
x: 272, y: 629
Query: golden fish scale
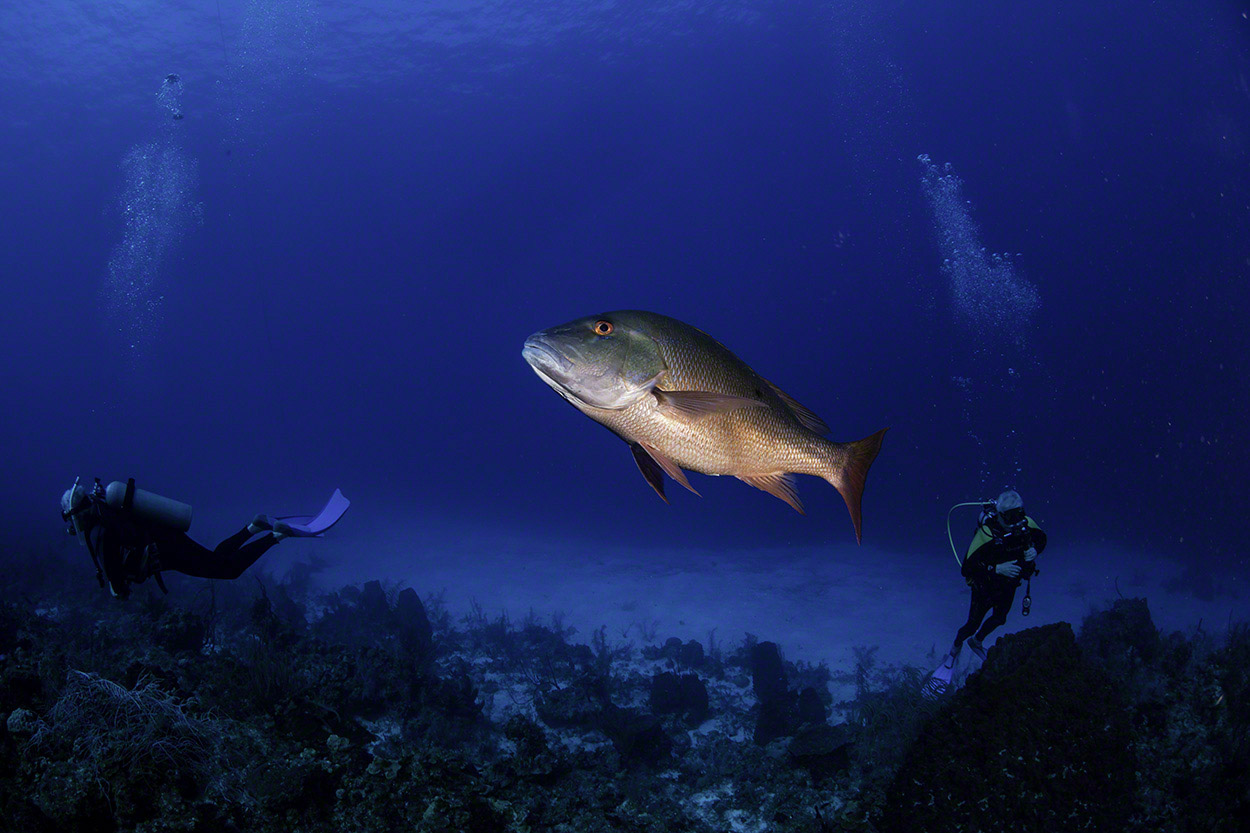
x: 745, y: 441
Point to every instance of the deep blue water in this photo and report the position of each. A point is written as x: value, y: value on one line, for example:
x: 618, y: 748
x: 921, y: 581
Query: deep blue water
x: 367, y: 207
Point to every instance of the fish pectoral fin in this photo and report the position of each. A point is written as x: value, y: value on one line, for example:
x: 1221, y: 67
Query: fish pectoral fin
x: 779, y: 485
x: 701, y: 403
x: 670, y: 468
x: 650, y: 469
x: 806, y: 416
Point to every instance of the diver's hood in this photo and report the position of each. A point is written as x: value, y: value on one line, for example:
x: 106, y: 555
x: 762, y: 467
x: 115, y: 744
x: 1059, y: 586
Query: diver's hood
x: 1009, y: 501
x: 73, y: 504
x: 70, y: 500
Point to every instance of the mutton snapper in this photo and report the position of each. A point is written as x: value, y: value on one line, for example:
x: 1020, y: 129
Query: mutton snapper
x: 683, y: 401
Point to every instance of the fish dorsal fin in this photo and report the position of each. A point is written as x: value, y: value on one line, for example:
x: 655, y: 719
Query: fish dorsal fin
x: 670, y: 468
x: 779, y: 485
x: 650, y: 469
x: 701, y: 403
x: 805, y: 416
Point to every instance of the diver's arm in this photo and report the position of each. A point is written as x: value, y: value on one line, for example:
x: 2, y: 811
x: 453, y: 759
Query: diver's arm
x: 112, y: 558
x: 977, y: 563
x: 1036, y: 537
x: 94, y: 551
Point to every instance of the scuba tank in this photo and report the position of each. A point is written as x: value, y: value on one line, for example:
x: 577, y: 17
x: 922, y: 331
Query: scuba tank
x: 148, y: 507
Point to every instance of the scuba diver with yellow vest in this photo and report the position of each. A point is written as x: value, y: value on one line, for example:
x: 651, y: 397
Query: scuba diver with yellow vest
x: 1002, y: 554
x: 133, y: 535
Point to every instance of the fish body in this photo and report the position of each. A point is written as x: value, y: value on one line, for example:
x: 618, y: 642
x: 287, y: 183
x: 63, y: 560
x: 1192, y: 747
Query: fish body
x: 682, y: 400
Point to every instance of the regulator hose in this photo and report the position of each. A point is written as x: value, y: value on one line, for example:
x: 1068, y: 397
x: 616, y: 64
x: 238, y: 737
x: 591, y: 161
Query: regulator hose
x: 950, y: 537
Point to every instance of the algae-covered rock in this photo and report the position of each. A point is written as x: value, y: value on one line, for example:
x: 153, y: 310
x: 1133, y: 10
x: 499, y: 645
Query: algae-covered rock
x: 824, y: 750
x: 427, y: 791
x: 412, y: 623
x: 1037, y: 740
x: 777, y: 716
x: 768, y: 673
x: 20, y: 685
x: 638, y: 737
x: 1122, y: 640
x: 684, y: 695
x: 22, y: 723
x: 811, y: 709
x: 1232, y: 708
x: 567, y: 707
x: 372, y: 603
x: 533, y: 761
x: 691, y: 654
x: 179, y: 631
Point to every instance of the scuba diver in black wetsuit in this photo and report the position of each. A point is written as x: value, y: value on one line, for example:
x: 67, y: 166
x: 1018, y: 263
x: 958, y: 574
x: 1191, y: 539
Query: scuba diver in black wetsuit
x: 133, y: 535
x: 1002, y: 554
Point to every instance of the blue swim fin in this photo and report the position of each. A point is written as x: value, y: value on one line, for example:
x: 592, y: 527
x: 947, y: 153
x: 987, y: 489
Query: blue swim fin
x: 940, y: 679
x: 315, y: 526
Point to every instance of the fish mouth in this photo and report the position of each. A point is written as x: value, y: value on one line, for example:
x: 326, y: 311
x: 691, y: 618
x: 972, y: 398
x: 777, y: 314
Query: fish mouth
x: 546, y: 361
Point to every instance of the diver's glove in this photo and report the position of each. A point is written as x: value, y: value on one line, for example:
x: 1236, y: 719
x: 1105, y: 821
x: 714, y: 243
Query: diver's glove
x: 1010, y: 569
x: 1030, y: 553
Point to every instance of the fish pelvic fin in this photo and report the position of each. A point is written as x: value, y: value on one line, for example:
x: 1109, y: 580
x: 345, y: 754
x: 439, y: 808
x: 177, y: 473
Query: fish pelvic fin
x: 650, y: 469
x: 670, y: 468
x: 851, y: 462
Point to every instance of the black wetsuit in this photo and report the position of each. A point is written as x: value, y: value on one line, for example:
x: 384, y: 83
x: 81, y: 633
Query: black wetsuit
x: 129, y: 552
x: 993, y: 545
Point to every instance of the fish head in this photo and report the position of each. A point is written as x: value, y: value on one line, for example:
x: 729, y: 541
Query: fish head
x: 599, y: 361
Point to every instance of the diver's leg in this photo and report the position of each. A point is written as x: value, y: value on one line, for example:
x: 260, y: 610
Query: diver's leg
x: 232, y: 561
x: 976, y: 612
x: 184, y: 555
x: 1002, y: 606
x: 231, y: 544
x: 227, y: 561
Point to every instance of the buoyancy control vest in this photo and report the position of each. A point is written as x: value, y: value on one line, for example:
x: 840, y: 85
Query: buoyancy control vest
x: 135, y: 512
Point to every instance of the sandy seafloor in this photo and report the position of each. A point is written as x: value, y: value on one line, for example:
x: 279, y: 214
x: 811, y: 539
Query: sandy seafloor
x: 817, y: 603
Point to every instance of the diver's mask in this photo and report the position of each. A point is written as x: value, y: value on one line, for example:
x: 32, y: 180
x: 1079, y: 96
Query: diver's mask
x: 1005, y: 519
x: 1013, y: 529
x: 1011, y: 517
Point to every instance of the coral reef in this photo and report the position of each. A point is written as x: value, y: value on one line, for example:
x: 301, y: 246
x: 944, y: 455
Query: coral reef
x: 271, y: 706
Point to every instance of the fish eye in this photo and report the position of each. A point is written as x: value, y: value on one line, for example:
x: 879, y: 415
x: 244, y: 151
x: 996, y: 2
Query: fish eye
x: 603, y: 328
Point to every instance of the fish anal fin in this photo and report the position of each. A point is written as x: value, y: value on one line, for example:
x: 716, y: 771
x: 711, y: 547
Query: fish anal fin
x: 650, y: 469
x: 701, y: 403
x: 779, y: 485
x: 806, y: 416
x: 670, y: 468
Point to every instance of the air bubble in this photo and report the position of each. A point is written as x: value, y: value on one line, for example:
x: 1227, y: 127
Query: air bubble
x: 987, y: 290
x: 994, y: 305
x: 157, y: 206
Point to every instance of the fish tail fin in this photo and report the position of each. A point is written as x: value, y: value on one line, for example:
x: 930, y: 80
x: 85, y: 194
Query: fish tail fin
x: 850, y: 469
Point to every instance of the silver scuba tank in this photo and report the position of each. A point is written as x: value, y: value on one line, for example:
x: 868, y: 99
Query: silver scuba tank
x: 148, y: 507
